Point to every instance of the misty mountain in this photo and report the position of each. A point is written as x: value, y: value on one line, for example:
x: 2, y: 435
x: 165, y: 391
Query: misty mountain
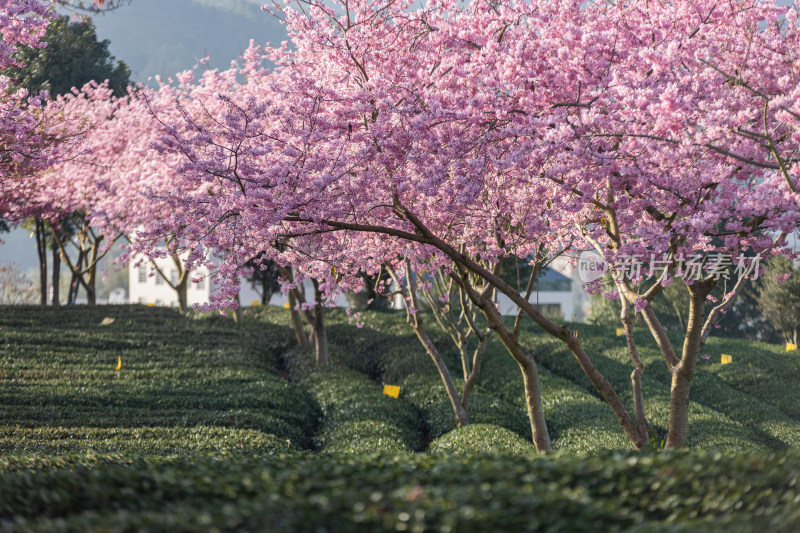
x: 168, y: 36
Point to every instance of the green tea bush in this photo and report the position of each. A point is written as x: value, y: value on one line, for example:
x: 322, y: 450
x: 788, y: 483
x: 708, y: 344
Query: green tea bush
x: 483, y: 409
x: 423, y: 390
x: 140, y: 440
x: 366, y: 436
x: 176, y: 374
x: 359, y: 417
x: 678, y: 491
x: 720, y: 416
x: 481, y: 438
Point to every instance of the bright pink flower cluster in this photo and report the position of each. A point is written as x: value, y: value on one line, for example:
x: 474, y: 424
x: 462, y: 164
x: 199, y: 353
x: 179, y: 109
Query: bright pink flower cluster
x: 496, y: 128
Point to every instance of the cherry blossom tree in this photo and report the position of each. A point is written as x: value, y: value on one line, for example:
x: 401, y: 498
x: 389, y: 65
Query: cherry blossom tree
x: 104, y: 180
x: 454, y: 135
x: 673, y: 175
x: 23, y: 146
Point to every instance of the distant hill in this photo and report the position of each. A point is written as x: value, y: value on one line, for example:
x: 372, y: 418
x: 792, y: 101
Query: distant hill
x: 155, y: 37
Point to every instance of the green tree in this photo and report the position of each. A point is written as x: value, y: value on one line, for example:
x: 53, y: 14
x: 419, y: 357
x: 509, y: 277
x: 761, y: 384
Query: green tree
x: 73, y: 56
x: 779, y: 301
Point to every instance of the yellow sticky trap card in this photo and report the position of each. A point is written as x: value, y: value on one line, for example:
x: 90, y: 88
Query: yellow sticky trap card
x: 790, y: 347
x: 119, y: 362
x: 620, y: 332
x: 107, y: 321
x: 725, y: 359
x: 392, y: 390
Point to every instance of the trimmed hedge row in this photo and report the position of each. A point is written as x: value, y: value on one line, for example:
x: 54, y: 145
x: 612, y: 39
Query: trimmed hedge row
x: 426, y: 392
x: 139, y: 440
x: 386, y: 348
x: 483, y: 409
x: 720, y: 416
x: 31, y: 330
x: 426, y: 389
x: 479, y: 439
x: 760, y: 370
x: 58, y: 371
x: 679, y: 491
x: 358, y: 417
x: 577, y: 421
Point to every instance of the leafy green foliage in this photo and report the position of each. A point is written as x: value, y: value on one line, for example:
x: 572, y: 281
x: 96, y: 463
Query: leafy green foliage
x: 483, y: 409
x: 721, y: 415
x: 211, y: 393
x: 577, y: 420
x: 425, y: 389
x: 140, y: 440
x: 60, y: 389
x: 685, y: 491
x: 73, y: 57
x: 358, y: 417
x: 481, y: 438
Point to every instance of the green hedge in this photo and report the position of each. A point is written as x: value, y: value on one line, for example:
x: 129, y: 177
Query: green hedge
x: 577, y: 420
x: 483, y: 408
x: 760, y: 370
x: 177, y: 373
x: 720, y: 416
x: 481, y: 438
x: 358, y: 417
x: 139, y: 440
x: 423, y: 389
x: 680, y: 491
x: 366, y: 436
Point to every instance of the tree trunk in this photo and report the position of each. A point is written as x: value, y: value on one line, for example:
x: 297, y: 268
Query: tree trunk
x: 74, y: 283
x: 265, y: 298
x: 320, y: 336
x: 41, y: 250
x: 638, y: 370
x: 72, y: 292
x: 472, y: 377
x: 684, y: 371
x: 415, y: 321
x: 91, y: 272
x: 56, y: 277
x: 530, y: 376
x: 297, y: 322
x: 460, y: 413
x: 89, y: 286
x: 91, y: 293
x: 533, y: 403
x: 318, y: 329
x: 182, y: 294
x: 237, y: 313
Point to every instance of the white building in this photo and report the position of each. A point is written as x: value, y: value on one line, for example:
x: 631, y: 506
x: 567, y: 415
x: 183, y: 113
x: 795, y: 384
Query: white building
x: 118, y: 295
x: 560, y: 294
x: 147, y: 286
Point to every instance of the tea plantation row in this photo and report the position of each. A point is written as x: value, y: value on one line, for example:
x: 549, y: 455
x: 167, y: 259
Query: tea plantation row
x: 678, y: 491
x: 204, y: 425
